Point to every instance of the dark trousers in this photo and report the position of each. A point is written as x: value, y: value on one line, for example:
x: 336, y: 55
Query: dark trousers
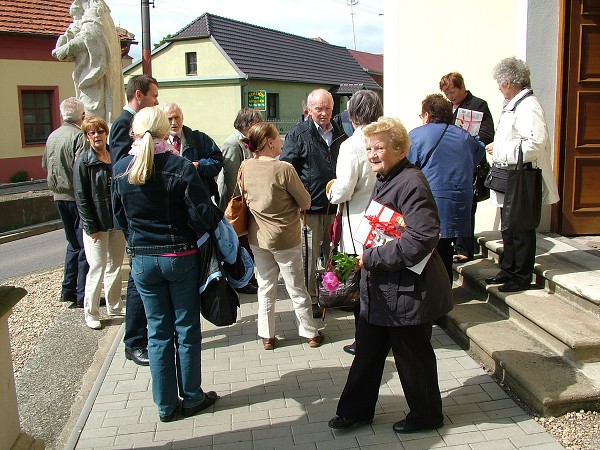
x: 136, y: 324
x: 445, y: 248
x: 518, y: 256
x: 76, y: 266
x: 465, y: 245
x: 416, y: 365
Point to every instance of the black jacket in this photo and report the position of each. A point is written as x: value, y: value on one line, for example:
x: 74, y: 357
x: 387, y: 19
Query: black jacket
x: 390, y: 293
x: 314, y: 161
x: 486, y: 131
x: 200, y: 147
x: 92, y: 179
x: 120, y: 138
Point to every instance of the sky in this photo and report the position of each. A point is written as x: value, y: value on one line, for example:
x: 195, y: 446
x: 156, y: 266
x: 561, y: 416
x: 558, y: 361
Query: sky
x: 330, y: 20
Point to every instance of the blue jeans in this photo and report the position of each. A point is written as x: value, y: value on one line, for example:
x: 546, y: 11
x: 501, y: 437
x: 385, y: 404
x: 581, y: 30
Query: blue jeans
x: 76, y: 266
x: 169, y: 289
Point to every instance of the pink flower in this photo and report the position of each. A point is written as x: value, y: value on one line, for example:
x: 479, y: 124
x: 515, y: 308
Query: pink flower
x: 330, y: 282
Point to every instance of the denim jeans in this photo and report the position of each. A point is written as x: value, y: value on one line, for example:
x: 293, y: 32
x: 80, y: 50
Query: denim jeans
x: 76, y: 266
x: 169, y: 289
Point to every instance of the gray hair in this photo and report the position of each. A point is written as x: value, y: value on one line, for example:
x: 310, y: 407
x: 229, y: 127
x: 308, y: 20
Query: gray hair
x: 316, y: 93
x: 167, y: 106
x: 514, y: 70
x: 245, y: 118
x: 365, y: 107
x: 72, y: 110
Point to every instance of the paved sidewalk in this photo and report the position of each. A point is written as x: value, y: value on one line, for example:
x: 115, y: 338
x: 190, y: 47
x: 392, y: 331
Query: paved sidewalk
x: 283, y: 398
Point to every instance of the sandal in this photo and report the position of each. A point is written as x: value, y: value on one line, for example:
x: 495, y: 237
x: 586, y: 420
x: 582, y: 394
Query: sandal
x: 269, y: 343
x: 459, y: 259
x: 314, y: 342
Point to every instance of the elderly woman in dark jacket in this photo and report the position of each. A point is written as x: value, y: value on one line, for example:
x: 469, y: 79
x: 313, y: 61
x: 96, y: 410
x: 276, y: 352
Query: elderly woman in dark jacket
x: 104, y: 246
x: 398, y: 306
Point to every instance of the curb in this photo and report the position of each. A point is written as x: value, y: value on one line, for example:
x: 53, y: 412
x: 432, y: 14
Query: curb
x: 33, y: 230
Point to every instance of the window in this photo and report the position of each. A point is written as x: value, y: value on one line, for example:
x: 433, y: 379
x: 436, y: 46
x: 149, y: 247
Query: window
x: 272, y: 106
x: 191, y: 63
x: 39, y: 113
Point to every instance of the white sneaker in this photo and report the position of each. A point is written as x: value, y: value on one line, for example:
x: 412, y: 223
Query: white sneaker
x: 115, y: 312
x: 94, y: 324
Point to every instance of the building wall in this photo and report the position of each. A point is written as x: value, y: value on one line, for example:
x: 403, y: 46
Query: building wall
x: 14, y: 73
x: 419, y: 52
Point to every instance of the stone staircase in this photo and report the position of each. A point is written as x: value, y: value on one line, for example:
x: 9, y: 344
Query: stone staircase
x: 544, y: 343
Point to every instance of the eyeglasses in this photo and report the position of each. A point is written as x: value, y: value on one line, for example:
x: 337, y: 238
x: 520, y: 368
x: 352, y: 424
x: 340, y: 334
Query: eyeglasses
x: 98, y: 132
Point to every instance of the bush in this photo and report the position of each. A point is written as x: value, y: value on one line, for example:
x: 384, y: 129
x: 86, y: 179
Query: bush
x: 19, y: 177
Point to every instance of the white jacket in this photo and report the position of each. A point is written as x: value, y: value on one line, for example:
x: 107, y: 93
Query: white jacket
x: 525, y: 125
x: 353, y: 184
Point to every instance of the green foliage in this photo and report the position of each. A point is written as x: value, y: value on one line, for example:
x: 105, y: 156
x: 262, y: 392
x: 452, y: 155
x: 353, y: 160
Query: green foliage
x: 163, y: 40
x: 344, y: 265
x: 19, y: 177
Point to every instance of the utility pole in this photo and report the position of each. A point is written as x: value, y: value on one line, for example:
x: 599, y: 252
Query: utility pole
x: 146, y: 43
x: 351, y: 4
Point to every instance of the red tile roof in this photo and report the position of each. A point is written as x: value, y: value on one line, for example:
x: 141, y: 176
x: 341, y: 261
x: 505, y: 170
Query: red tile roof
x: 369, y: 61
x: 41, y: 17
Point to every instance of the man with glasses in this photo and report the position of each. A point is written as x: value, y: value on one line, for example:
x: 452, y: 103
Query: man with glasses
x: 62, y: 147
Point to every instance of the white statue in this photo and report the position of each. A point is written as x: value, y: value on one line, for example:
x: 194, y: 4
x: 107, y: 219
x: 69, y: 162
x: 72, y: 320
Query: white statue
x: 92, y: 42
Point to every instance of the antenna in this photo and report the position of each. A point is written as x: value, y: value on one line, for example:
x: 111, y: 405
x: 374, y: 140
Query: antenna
x: 351, y: 4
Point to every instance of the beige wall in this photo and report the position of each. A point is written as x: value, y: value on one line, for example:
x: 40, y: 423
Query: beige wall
x: 27, y: 73
x: 425, y: 40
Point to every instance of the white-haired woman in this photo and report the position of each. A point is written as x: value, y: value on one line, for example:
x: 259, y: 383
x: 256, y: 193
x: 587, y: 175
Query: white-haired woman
x: 161, y: 201
x: 521, y: 125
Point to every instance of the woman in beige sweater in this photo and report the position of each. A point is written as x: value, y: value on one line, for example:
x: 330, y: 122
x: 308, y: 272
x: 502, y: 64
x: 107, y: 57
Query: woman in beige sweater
x: 275, y: 195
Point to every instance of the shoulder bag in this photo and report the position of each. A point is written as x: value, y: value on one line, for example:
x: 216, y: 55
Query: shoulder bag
x: 480, y: 190
x: 237, y: 208
x: 433, y: 149
x: 522, y: 207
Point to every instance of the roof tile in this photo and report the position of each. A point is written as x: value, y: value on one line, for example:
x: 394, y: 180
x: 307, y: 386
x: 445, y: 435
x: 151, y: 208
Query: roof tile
x: 42, y: 17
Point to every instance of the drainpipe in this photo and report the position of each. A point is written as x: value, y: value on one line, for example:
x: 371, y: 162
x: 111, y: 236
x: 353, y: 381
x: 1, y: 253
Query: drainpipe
x: 146, y: 44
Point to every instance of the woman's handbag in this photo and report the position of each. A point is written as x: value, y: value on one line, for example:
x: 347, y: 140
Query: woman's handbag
x: 346, y: 295
x: 480, y: 191
x: 522, y: 207
x: 218, y: 301
x: 497, y: 179
x: 237, y: 209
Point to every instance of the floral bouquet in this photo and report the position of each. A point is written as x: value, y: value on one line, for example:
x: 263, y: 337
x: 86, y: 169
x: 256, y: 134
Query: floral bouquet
x: 339, y: 283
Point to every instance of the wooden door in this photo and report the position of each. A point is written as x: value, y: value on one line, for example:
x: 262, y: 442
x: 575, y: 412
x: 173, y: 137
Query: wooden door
x: 580, y: 210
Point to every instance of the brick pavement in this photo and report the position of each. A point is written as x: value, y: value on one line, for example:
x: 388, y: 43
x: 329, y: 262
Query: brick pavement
x: 283, y: 398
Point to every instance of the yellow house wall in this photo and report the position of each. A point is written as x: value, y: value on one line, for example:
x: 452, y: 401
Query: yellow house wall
x: 426, y: 40
x: 27, y: 73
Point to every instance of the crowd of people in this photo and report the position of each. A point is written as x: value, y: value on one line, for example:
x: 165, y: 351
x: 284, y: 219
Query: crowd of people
x: 149, y: 186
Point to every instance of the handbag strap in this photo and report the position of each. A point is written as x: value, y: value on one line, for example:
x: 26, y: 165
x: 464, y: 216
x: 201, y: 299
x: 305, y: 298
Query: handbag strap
x: 350, y: 228
x: 433, y: 148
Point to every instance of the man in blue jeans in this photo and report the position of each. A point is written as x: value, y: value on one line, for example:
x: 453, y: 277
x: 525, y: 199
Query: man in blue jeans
x: 142, y: 91
x: 62, y: 147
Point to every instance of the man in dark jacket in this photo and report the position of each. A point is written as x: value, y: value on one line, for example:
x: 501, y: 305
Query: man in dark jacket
x: 142, y: 91
x: 312, y: 147
x: 196, y: 146
x: 453, y: 87
x: 63, y: 145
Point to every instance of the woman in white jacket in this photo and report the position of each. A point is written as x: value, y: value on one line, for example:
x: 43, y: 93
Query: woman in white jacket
x: 355, y: 180
x: 522, y: 124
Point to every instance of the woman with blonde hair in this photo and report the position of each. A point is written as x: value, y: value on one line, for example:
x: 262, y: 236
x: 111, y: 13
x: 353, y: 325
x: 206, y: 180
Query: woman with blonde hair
x: 162, y: 202
x: 104, y: 246
x: 275, y: 195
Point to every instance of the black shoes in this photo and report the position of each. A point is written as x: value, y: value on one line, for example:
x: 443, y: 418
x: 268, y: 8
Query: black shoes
x: 210, y: 398
x: 343, y: 422
x: 248, y: 289
x: 405, y: 427
x: 170, y: 417
x: 350, y: 348
x: 138, y: 356
x: 317, y: 312
x: 497, y: 279
x: 513, y: 286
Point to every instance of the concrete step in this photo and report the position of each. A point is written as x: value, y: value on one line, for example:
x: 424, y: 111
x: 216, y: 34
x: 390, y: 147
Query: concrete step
x: 544, y: 343
x: 569, y: 330
x: 543, y: 379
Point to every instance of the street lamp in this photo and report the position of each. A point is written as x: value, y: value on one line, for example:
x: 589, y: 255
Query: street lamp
x: 351, y: 4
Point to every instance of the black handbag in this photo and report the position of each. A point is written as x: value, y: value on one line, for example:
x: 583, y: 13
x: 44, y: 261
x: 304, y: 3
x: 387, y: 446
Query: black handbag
x: 219, y: 301
x: 497, y: 179
x: 345, y: 296
x: 522, y: 207
x: 480, y: 191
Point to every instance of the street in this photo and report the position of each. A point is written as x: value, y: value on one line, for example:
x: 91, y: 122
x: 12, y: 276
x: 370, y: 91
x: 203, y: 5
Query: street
x: 32, y: 254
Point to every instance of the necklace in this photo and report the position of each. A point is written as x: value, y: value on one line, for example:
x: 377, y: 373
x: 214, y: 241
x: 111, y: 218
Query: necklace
x: 104, y: 157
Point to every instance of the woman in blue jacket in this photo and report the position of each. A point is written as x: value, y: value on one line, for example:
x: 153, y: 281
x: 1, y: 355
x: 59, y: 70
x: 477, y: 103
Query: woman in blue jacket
x: 164, y: 205
x: 447, y: 156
